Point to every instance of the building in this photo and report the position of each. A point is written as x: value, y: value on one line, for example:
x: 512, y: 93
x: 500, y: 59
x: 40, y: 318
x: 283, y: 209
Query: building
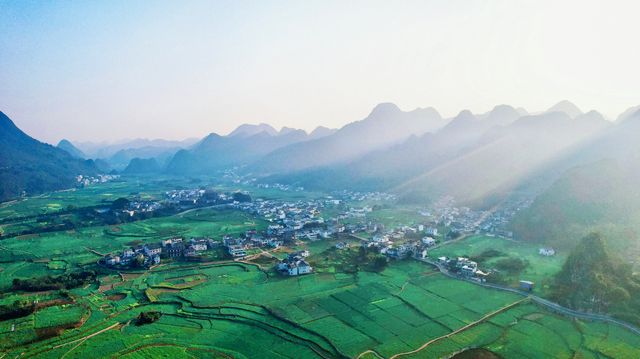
x: 428, y: 241
x: 294, y: 265
x: 526, y: 285
x: 547, y: 251
x: 152, y: 249
x: 468, y: 271
x: 173, y: 247
x: 236, y: 251
x: 112, y: 260
x: 198, y: 244
x: 432, y: 231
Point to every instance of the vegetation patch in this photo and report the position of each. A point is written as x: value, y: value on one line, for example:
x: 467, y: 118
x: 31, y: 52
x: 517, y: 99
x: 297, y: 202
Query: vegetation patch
x: 65, y: 281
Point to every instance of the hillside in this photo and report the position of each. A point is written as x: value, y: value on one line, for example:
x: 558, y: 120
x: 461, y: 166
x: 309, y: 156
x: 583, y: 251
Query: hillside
x: 70, y: 148
x: 593, y: 187
x: 496, y: 163
x: 28, y: 165
x: 123, y: 157
x: 601, y: 196
x: 592, y: 280
x: 216, y: 152
x: 142, y: 165
x: 389, y: 167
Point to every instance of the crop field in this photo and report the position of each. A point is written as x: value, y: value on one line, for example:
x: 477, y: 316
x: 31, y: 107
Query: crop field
x: 197, y: 223
x: 526, y: 331
x: 539, y: 269
x: 89, y: 196
x: 221, y: 308
x: 243, y: 311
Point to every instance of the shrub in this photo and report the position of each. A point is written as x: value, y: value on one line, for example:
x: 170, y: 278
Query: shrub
x: 65, y: 281
x: 148, y: 317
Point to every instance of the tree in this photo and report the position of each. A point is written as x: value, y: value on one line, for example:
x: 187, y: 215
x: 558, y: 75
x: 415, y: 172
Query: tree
x: 148, y: 317
x: 138, y: 261
x: 379, y: 263
x: 120, y: 204
x: 591, y: 279
x: 241, y: 197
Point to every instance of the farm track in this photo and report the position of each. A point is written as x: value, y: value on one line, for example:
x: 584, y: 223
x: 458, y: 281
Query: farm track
x: 554, y: 307
x: 470, y: 325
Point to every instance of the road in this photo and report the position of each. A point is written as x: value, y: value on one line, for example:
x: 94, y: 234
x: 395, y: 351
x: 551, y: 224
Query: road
x: 544, y: 302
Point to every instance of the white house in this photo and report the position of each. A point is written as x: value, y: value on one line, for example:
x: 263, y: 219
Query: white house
x: 152, y: 249
x: 299, y: 268
x: 547, y: 251
x: 432, y: 231
x: 294, y: 265
x: 428, y: 241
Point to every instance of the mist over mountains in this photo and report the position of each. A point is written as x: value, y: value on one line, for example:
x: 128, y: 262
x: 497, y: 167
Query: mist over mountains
x: 563, y: 158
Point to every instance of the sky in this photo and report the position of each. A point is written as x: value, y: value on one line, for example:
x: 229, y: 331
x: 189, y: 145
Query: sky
x: 109, y: 70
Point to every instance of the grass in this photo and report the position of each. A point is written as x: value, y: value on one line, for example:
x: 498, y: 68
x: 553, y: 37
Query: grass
x: 540, y: 269
x: 237, y: 310
x: 58, y: 316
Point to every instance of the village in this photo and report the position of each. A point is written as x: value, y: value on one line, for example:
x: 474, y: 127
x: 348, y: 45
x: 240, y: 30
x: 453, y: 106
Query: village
x: 85, y: 181
x: 291, y: 222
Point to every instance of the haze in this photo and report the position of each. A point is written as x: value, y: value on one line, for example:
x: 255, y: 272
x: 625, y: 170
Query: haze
x: 95, y: 71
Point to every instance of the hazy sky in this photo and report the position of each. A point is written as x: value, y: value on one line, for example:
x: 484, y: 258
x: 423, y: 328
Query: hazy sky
x: 92, y: 70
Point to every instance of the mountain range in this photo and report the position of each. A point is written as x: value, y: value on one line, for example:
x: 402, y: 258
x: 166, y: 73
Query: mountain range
x: 562, y: 158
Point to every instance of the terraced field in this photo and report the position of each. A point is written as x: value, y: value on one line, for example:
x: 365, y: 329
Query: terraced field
x: 240, y: 310
x: 245, y: 310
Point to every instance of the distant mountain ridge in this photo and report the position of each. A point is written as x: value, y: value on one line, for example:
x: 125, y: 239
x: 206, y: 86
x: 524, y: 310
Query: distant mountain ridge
x: 142, y: 166
x: 248, y: 130
x: 216, y: 152
x: 70, y: 148
x: 385, y: 126
x: 106, y: 150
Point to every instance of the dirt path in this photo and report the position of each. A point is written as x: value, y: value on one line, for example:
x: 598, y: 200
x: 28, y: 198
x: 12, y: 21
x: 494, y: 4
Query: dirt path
x: 459, y: 330
x: 95, y: 252
x: 470, y: 325
x: 87, y: 336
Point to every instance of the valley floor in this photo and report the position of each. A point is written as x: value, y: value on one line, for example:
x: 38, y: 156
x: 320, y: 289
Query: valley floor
x: 243, y: 309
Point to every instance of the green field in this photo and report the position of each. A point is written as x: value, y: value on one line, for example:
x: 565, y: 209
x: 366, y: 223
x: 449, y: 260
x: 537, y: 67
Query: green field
x: 540, y: 269
x: 246, y: 310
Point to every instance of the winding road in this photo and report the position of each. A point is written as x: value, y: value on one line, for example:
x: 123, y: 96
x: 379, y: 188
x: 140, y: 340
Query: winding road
x: 544, y: 302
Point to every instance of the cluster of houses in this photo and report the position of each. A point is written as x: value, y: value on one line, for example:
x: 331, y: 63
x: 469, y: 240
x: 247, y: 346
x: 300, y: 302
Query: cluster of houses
x: 237, y: 248
x: 463, y: 267
x: 138, y: 205
x: 464, y: 220
x: 151, y: 254
x: 363, y: 196
x: 184, y: 196
x: 295, y: 264
x: 395, y: 244
x: 281, y: 187
x: 84, y: 181
x: 199, y: 196
x: 294, y: 220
